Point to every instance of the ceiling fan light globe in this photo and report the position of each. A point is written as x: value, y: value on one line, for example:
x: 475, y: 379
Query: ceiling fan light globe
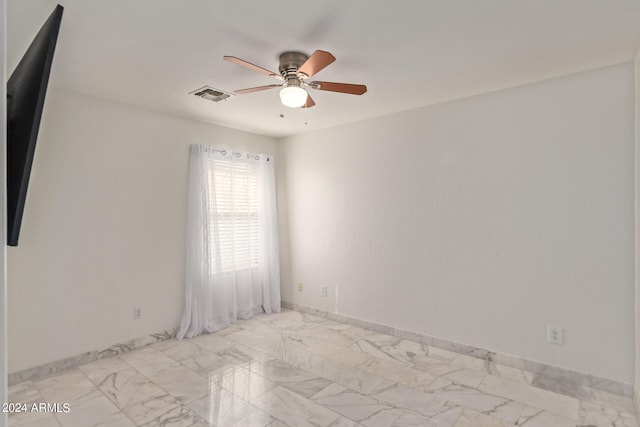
x: 293, y: 96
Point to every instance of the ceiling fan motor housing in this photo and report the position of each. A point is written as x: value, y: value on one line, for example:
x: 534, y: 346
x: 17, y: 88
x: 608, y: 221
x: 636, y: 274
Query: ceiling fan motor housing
x: 290, y: 62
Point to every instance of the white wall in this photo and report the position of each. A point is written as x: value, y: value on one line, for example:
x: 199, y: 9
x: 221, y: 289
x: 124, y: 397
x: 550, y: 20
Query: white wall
x: 480, y: 221
x: 103, y: 229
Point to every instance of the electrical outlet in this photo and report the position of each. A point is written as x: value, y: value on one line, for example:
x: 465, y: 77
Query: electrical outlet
x: 555, y: 335
x: 137, y: 313
x: 323, y: 289
x: 300, y: 287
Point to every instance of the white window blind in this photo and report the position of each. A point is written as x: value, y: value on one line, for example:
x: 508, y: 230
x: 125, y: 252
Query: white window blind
x: 234, y: 209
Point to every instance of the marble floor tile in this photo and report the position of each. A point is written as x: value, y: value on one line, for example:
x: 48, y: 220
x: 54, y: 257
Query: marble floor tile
x: 148, y: 361
x: 396, y: 417
x: 556, y: 403
x: 345, y: 422
x: 293, y: 409
x: 292, y: 369
x: 222, y: 408
x: 332, y: 335
x: 343, y: 355
x: 513, y: 374
x: 546, y: 419
x: 98, y: 410
x: 258, y: 340
x: 100, y: 369
x: 241, y: 355
x: 513, y: 412
x: 68, y: 386
x: 470, y: 398
x: 470, y: 418
x: 293, y: 320
x: 183, y: 384
x: 128, y: 387
x: 182, y: 350
x: 36, y: 419
x: 203, y: 362
x: 442, y: 354
x: 594, y: 414
x: 467, y: 377
x: 434, y: 367
x: 153, y: 403
x: 409, y: 353
x: 25, y: 392
x: 231, y: 329
x: 353, y: 332
x: 350, y: 377
x: 295, y: 352
x: 299, y: 381
x: 376, y: 350
x: 241, y: 381
x: 404, y: 397
x: 163, y: 345
x: 495, y: 369
x: 212, y: 342
x: 180, y: 416
x: 256, y: 325
x: 406, y: 375
x: 348, y: 403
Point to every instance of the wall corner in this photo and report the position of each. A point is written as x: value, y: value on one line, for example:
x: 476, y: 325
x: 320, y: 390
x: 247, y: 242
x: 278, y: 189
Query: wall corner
x: 637, y: 229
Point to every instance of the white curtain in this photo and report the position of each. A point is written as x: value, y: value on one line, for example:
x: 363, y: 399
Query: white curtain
x: 232, y: 263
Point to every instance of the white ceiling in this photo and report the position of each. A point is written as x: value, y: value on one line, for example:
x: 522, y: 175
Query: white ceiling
x: 410, y: 53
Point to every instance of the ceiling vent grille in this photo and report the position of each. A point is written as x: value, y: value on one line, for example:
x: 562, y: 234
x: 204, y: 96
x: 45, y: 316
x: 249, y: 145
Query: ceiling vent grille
x: 211, y: 94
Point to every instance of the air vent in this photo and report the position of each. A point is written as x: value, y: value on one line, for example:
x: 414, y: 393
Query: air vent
x: 211, y: 94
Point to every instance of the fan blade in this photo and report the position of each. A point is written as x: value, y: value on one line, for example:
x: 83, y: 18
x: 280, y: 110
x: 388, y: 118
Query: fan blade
x: 339, y: 87
x: 255, y: 89
x: 316, y: 62
x: 310, y: 102
x: 253, y: 67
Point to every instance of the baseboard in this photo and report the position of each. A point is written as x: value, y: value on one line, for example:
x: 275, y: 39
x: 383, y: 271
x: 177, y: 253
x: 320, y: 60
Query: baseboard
x: 47, y: 369
x: 545, y: 376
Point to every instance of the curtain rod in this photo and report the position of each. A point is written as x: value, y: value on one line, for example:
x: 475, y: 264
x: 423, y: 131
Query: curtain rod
x: 224, y: 153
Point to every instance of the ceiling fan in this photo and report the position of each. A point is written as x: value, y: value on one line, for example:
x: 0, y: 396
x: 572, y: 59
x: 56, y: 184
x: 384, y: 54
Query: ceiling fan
x: 295, y: 68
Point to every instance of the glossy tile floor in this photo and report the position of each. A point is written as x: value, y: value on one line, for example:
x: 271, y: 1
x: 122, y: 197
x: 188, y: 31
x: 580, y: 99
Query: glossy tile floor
x: 291, y: 369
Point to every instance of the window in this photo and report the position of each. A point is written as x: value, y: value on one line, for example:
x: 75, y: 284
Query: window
x: 233, y: 206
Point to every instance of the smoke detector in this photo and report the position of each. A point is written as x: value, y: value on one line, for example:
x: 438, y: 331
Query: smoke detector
x: 211, y: 94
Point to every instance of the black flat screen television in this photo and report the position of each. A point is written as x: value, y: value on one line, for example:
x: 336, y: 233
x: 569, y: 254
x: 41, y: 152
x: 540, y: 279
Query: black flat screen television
x: 26, y: 89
